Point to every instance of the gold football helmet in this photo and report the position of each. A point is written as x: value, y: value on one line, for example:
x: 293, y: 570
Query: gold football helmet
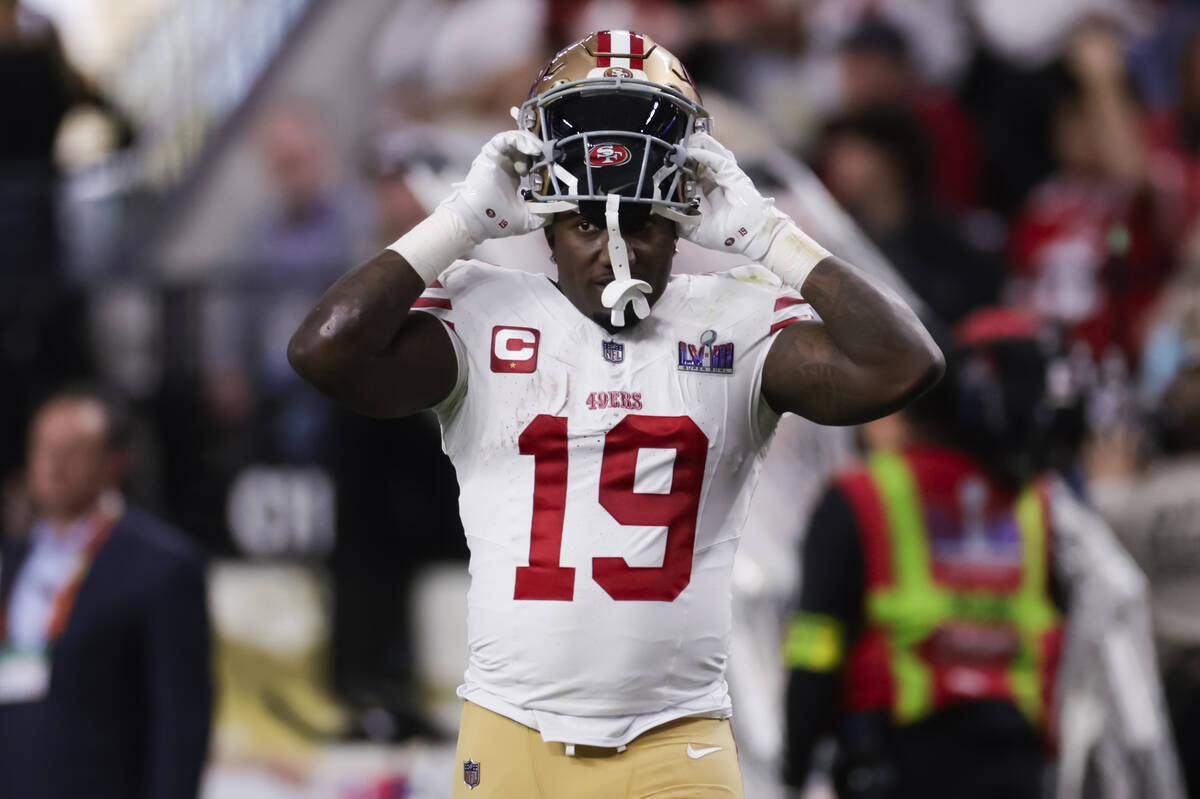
x: 614, y: 112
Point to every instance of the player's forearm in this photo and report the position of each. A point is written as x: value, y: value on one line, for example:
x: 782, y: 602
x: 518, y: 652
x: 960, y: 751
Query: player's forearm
x: 877, y: 332
x: 356, y: 320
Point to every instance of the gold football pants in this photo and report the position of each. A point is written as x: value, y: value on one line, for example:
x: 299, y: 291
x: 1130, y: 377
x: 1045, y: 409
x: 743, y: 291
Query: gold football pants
x: 692, y: 758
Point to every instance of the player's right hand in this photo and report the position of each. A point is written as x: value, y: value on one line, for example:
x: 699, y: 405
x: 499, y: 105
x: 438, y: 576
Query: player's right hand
x: 735, y: 217
x: 488, y: 200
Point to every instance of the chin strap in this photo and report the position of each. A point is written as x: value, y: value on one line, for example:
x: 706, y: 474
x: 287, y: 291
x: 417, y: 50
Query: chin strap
x: 624, y: 289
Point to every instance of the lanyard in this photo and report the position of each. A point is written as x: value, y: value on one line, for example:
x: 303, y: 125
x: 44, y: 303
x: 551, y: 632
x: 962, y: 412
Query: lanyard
x: 100, y: 526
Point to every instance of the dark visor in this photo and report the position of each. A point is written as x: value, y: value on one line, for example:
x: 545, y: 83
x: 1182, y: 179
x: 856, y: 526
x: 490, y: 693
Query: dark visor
x: 580, y: 113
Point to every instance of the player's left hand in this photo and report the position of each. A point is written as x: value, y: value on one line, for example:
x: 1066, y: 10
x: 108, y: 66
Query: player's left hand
x: 736, y: 218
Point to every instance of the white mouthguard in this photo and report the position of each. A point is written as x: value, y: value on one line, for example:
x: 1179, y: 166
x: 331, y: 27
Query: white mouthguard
x: 624, y: 289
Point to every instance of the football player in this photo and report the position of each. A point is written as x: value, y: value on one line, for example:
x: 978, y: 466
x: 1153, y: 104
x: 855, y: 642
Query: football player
x: 607, y: 427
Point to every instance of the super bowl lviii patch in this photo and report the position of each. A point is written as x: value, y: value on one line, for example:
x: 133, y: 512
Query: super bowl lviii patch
x: 708, y: 356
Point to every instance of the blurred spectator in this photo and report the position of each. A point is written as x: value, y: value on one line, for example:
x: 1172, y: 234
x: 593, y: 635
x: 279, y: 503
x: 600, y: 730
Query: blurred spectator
x: 105, y: 688
x: 1156, y: 514
x: 37, y: 91
x: 928, y: 628
x: 1008, y: 88
x: 875, y: 164
x: 1173, y: 332
x: 1174, y: 140
x: 1088, y: 248
x: 38, y: 86
x: 1030, y: 35
x: 317, y: 231
x: 936, y: 29
x: 41, y: 321
x: 877, y: 71
x: 396, y: 161
x: 1011, y: 111
x: 1158, y: 49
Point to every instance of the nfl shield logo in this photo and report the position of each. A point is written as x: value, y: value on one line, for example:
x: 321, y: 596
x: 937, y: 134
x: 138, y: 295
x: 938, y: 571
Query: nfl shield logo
x: 614, y: 351
x: 471, y: 773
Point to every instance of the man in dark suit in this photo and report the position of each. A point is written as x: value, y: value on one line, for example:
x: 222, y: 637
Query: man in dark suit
x: 105, y: 685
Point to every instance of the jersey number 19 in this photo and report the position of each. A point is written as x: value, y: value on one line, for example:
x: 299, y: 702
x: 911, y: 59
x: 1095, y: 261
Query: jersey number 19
x: 546, y: 440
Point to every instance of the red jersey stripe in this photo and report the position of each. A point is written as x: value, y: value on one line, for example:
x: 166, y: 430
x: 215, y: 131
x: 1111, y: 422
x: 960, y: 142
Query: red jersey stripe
x: 788, y: 302
x: 432, y: 302
x: 782, y: 323
x: 437, y: 284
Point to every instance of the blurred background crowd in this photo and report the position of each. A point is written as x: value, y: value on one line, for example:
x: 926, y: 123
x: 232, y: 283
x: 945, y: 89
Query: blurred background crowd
x: 179, y: 181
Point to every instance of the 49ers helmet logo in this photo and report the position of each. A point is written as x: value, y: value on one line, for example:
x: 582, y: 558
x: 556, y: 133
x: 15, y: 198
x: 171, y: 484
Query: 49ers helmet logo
x: 608, y: 155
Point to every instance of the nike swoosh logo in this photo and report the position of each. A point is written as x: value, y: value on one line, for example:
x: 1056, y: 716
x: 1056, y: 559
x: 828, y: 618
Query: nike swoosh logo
x: 696, y: 754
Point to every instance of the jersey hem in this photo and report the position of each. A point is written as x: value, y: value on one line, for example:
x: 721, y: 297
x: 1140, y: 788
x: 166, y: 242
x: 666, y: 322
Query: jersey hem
x: 555, y: 727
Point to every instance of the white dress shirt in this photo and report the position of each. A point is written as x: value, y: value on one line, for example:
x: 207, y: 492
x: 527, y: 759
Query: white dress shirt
x: 52, y: 562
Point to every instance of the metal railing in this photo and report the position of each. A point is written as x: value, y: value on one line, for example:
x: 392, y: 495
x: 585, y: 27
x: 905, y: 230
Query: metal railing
x: 190, y: 70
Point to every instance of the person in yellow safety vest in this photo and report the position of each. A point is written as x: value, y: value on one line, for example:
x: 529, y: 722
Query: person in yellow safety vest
x: 928, y: 621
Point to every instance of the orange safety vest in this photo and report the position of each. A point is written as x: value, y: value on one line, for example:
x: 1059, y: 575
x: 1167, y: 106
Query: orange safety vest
x: 937, y: 635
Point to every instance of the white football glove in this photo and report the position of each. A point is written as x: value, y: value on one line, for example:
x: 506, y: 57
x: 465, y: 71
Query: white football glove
x: 488, y: 200
x: 736, y: 218
x: 486, y: 205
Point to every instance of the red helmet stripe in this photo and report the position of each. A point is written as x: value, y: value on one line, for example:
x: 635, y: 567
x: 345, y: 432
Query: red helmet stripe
x: 637, y: 46
x: 604, y: 45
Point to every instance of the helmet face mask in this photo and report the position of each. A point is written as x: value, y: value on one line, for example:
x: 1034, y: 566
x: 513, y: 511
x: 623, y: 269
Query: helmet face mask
x: 614, y: 112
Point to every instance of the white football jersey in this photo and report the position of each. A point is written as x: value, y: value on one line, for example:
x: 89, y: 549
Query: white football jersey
x: 604, y: 480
